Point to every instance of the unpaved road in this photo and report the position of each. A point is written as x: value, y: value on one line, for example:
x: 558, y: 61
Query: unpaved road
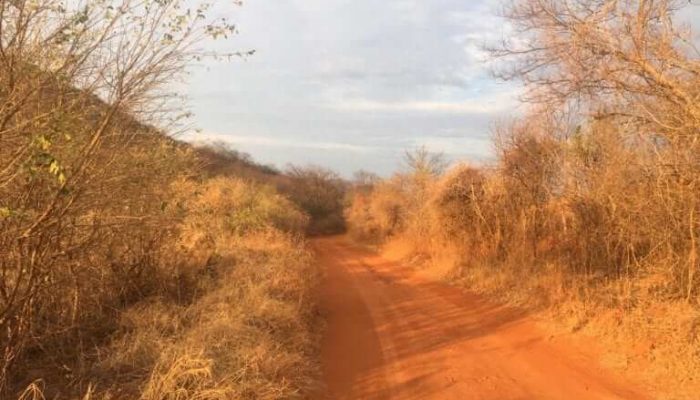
x: 394, y: 335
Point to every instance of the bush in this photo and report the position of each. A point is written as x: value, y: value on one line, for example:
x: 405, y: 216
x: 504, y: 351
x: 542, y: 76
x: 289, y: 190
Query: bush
x: 248, y: 336
x: 241, y: 208
x: 591, y: 205
x: 321, y: 194
x: 224, y: 308
x: 109, y: 228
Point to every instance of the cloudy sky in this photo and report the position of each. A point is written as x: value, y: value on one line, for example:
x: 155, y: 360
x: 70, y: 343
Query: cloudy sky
x: 352, y: 84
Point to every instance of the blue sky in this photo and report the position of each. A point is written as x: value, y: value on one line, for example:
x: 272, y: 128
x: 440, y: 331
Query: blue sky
x: 352, y: 84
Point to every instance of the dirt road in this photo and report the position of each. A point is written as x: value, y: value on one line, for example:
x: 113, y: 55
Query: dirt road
x: 394, y: 335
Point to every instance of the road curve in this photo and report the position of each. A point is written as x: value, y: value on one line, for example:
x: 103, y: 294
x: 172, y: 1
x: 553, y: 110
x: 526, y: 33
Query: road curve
x: 393, y: 335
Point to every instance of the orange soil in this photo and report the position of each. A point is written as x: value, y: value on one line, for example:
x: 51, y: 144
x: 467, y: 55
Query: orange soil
x: 395, y: 335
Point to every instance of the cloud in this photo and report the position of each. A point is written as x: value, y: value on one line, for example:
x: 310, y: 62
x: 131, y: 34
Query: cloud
x: 490, y: 105
x: 457, y: 148
x: 209, y: 137
x: 364, y: 78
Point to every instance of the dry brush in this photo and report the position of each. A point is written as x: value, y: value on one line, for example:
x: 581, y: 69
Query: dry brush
x: 591, y: 205
x: 127, y: 270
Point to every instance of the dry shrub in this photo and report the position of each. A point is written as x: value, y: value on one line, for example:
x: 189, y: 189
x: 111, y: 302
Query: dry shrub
x: 83, y: 173
x: 591, y: 207
x: 320, y: 192
x: 243, y: 208
x: 376, y: 215
x: 382, y: 209
x: 103, y: 254
x: 235, y: 318
x: 110, y: 232
x: 249, y: 337
x: 459, y: 202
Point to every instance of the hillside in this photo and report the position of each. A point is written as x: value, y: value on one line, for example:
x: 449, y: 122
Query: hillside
x: 134, y: 265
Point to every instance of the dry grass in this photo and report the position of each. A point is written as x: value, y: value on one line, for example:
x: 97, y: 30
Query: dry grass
x: 240, y: 327
x: 222, y: 309
x: 476, y: 235
x: 133, y: 265
x: 249, y: 337
x: 590, y: 211
x: 589, y: 230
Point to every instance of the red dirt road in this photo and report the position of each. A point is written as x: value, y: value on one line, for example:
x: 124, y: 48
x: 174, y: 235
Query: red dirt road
x: 394, y: 335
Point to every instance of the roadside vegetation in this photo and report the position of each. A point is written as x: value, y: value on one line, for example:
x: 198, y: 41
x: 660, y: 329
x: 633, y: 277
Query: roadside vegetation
x: 134, y: 266
x: 590, y: 209
x: 320, y: 192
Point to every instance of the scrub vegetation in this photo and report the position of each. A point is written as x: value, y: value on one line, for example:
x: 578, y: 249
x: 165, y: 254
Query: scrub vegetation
x: 590, y: 209
x: 134, y: 266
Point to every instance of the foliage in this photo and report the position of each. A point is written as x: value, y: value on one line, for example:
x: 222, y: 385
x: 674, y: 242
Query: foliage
x: 320, y: 193
x: 110, y: 229
x: 593, y: 197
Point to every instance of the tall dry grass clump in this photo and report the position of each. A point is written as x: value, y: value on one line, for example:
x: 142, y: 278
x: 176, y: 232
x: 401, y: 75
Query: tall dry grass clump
x: 591, y: 206
x: 247, y: 332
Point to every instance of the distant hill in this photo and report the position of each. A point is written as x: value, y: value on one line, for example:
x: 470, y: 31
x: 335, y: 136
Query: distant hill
x: 220, y: 159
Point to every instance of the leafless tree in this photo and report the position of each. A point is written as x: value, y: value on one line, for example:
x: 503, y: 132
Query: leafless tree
x: 630, y: 63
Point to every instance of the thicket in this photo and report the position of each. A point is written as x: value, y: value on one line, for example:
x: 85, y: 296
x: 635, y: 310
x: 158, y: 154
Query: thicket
x: 127, y: 270
x: 321, y: 193
x: 594, y: 196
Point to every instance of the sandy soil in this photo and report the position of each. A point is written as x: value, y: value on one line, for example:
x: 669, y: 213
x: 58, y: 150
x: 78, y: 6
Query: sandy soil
x: 394, y: 335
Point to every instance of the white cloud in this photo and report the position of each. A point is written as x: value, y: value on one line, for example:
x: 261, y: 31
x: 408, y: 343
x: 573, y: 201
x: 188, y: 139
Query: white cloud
x: 357, y: 77
x: 456, y: 147
x: 266, y: 141
x: 493, y: 104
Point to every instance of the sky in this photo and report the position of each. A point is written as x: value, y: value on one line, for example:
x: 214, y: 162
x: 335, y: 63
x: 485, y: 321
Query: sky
x: 353, y: 84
